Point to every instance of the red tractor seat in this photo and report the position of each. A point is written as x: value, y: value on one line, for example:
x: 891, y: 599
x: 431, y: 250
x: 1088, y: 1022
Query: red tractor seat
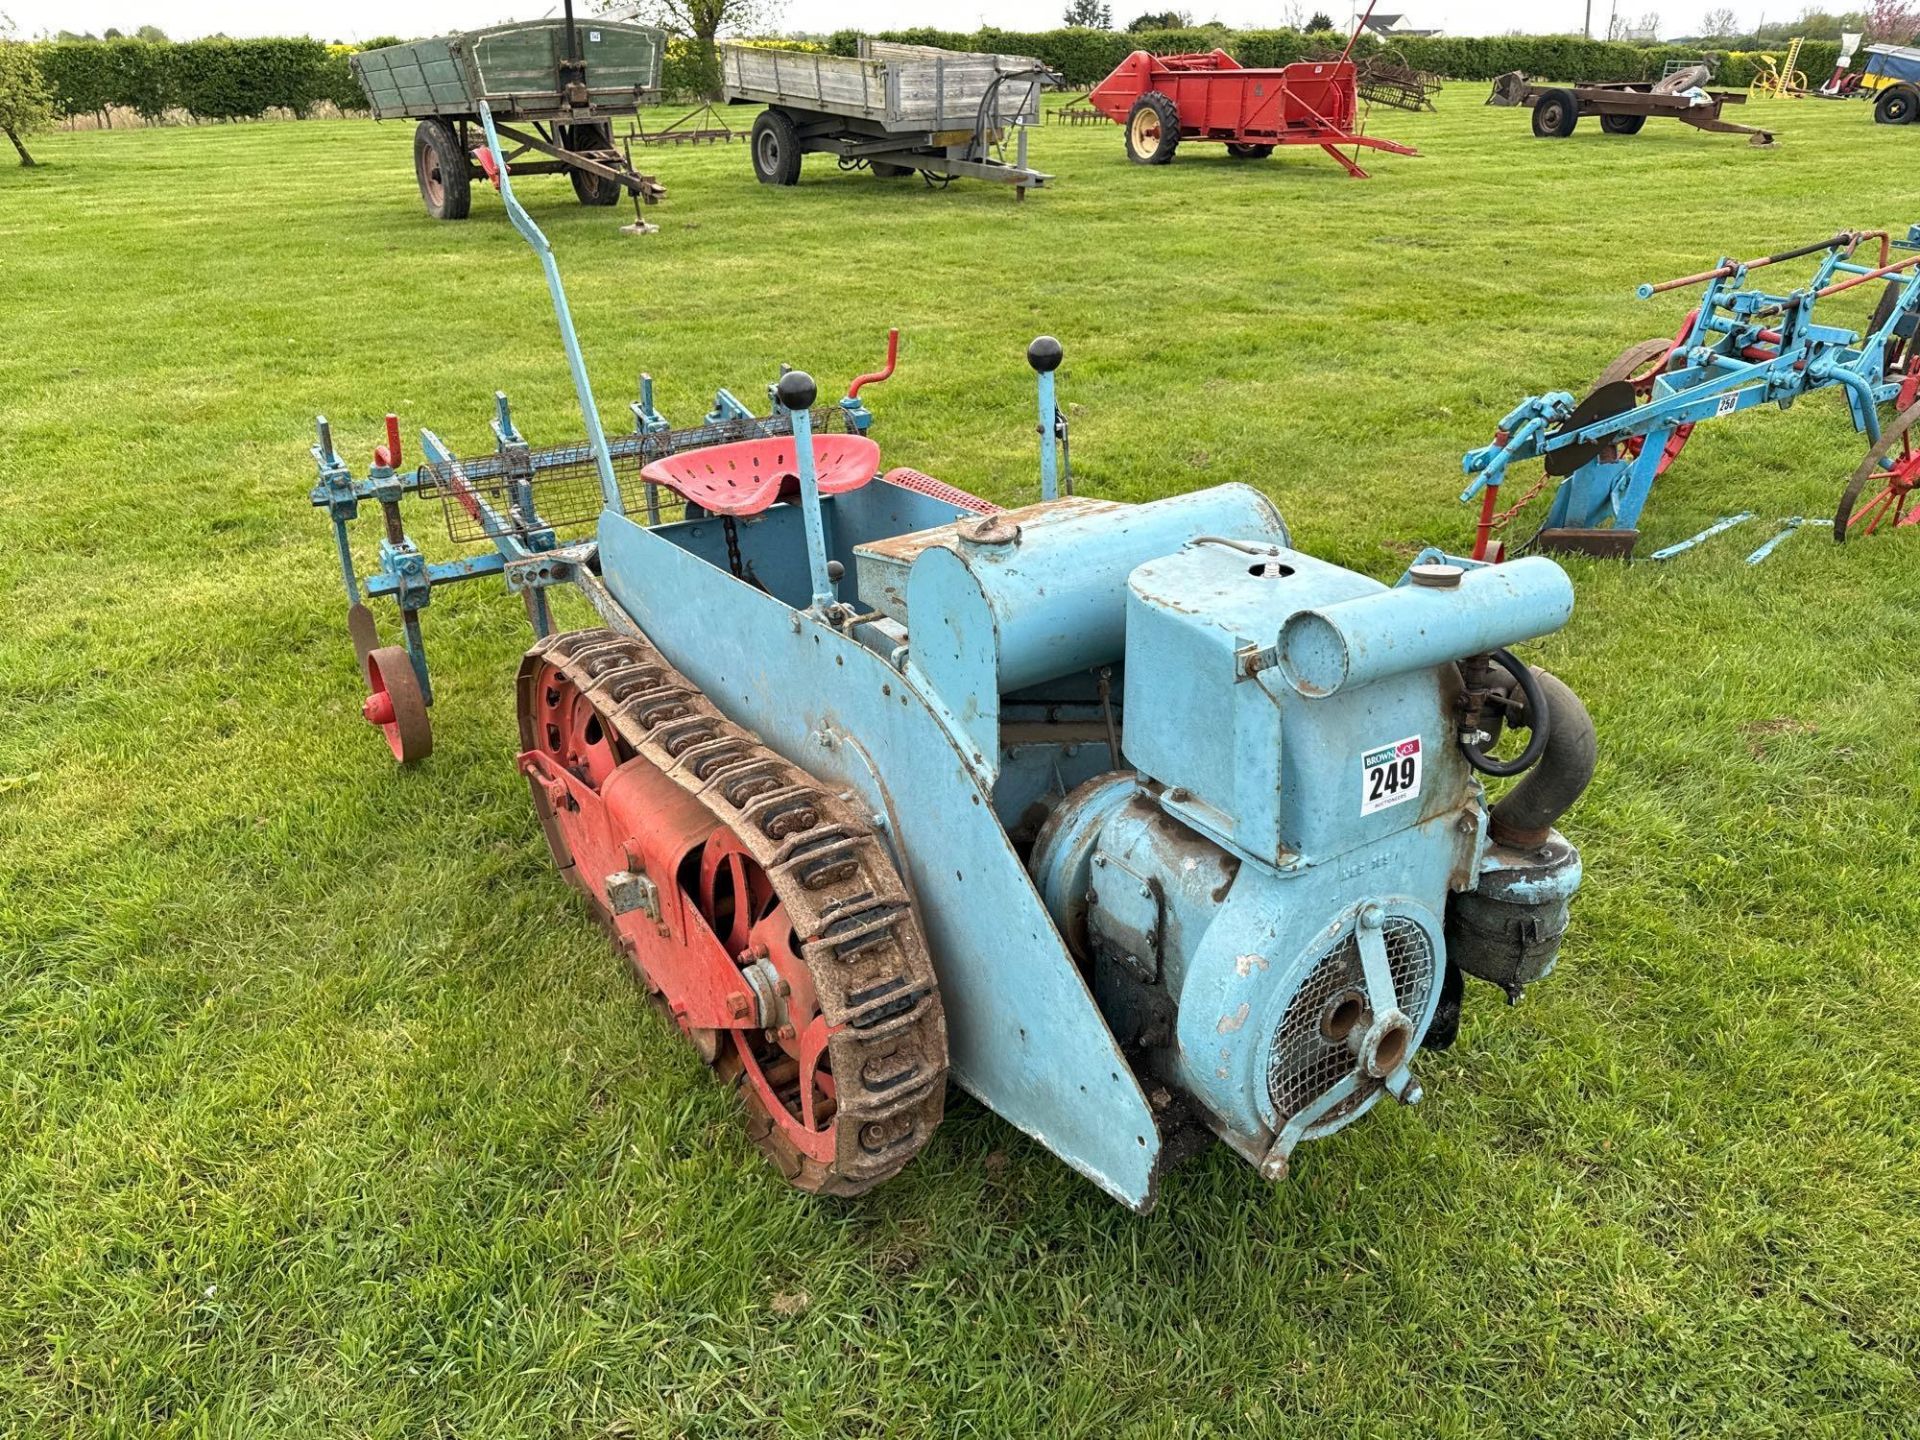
x: 747, y: 476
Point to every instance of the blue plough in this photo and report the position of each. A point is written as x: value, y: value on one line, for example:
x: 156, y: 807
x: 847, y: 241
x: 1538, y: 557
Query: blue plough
x: 1741, y: 347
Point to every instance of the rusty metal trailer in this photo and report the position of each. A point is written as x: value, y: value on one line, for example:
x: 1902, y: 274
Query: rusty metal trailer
x: 890, y: 109
x: 554, y: 87
x: 1624, y: 106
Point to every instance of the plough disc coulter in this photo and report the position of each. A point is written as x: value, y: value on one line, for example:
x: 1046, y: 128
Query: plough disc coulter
x: 1740, y: 347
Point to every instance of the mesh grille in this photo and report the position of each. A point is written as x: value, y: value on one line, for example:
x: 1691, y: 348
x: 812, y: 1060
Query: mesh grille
x: 1303, y: 1063
x: 566, y: 482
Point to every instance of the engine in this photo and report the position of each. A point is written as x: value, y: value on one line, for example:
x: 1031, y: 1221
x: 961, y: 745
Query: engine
x: 1277, y: 903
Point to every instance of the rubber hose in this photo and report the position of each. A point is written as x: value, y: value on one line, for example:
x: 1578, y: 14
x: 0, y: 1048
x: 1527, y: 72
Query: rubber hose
x: 1540, y: 728
x: 1526, y: 813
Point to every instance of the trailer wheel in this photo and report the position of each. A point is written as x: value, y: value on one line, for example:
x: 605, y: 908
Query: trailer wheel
x: 591, y: 189
x: 1554, y: 114
x: 441, y: 168
x: 1896, y: 105
x: 776, y: 149
x: 1153, y: 129
x: 1623, y: 124
x: 1250, y: 152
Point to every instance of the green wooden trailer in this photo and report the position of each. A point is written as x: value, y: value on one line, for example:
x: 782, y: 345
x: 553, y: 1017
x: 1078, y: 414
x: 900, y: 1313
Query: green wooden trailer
x: 554, y: 86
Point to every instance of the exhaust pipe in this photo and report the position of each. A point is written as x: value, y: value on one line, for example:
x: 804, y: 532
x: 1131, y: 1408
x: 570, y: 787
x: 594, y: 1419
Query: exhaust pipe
x: 1525, y: 814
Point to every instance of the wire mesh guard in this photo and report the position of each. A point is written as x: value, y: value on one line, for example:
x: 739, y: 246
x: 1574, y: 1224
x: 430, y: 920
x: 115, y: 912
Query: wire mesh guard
x: 1305, y: 1060
x: 558, y: 488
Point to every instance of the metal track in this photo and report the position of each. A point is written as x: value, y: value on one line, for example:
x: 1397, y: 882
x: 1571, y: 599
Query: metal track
x: 859, y: 937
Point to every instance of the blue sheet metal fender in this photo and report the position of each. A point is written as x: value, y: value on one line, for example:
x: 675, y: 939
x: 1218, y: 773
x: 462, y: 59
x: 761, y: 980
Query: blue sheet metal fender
x: 1024, y: 1035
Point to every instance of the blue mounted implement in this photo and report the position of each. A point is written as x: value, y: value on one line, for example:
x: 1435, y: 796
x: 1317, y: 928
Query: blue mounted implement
x: 1741, y: 347
x: 1134, y: 820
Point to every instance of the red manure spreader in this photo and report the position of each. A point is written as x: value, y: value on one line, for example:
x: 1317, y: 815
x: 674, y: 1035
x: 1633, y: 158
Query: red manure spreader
x: 1160, y: 100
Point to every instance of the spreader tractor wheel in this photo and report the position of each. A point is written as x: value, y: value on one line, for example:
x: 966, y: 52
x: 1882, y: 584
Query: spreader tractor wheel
x: 1555, y: 114
x: 1894, y: 466
x: 1896, y: 105
x: 1623, y: 124
x: 775, y: 146
x: 1250, y: 152
x: 1153, y: 129
x: 441, y: 168
x: 757, y: 905
x: 396, y: 705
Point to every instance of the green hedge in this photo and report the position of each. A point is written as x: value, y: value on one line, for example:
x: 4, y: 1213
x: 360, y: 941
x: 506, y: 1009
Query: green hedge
x: 242, y: 79
x: 1083, y: 56
x: 209, y: 79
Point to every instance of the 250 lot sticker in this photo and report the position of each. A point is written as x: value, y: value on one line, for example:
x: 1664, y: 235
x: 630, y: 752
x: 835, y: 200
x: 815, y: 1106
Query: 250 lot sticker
x: 1389, y: 775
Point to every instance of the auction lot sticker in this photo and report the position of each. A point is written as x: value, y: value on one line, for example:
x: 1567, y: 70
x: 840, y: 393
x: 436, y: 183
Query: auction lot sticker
x: 1389, y: 775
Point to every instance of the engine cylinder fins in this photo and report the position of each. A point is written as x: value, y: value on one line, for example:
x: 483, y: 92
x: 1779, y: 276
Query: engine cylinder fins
x: 1330, y: 1033
x: 838, y: 1043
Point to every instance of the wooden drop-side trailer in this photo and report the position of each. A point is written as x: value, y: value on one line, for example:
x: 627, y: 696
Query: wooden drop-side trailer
x: 891, y: 109
x: 551, y: 97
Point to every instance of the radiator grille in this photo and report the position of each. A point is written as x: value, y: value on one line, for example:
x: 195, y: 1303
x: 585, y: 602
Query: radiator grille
x: 1304, y: 1063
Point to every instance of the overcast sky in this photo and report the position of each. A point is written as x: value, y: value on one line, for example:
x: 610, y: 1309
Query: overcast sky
x: 362, y: 19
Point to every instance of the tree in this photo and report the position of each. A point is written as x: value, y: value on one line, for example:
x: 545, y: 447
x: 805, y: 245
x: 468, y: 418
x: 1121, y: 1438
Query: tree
x: 1160, y: 20
x: 1892, y: 22
x: 152, y: 34
x: 1320, y: 21
x: 1720, y: 24
x: 26, y: 104
x: 1096, y: 14
x: 701, y: 21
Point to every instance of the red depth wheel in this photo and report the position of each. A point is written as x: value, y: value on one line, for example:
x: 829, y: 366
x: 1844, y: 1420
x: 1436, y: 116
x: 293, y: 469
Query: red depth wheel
x: 395, y: 704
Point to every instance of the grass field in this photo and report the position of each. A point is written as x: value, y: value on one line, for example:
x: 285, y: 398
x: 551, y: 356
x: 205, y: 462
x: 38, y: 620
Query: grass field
x: 325, y: 1111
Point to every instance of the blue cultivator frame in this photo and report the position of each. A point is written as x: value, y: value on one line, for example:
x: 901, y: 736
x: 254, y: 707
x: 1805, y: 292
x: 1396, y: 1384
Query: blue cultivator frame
x: 1740, y: 347
x: 519, y: 499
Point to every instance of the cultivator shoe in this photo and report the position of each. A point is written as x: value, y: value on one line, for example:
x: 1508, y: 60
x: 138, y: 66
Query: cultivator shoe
x: 1739, y: 347
x: 1136, y: 822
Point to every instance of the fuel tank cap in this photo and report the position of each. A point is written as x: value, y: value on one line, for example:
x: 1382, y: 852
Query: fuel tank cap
x: 1435, y: 575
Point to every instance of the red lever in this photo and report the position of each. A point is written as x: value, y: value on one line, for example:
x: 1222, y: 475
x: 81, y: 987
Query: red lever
x: 484, y: 155
x: 893, y: 354
x: 388, y: 455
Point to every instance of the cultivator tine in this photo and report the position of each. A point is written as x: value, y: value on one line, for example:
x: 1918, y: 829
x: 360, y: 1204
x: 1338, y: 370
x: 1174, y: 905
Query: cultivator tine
x: 365, y: 633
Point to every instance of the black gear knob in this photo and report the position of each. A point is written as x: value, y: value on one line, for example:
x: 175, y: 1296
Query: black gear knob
x: 1044, y: 354
x: 796, y: 390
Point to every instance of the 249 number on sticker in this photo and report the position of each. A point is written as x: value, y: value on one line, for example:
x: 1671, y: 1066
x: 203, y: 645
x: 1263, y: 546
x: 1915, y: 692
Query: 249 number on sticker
x: 1390, y: 775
